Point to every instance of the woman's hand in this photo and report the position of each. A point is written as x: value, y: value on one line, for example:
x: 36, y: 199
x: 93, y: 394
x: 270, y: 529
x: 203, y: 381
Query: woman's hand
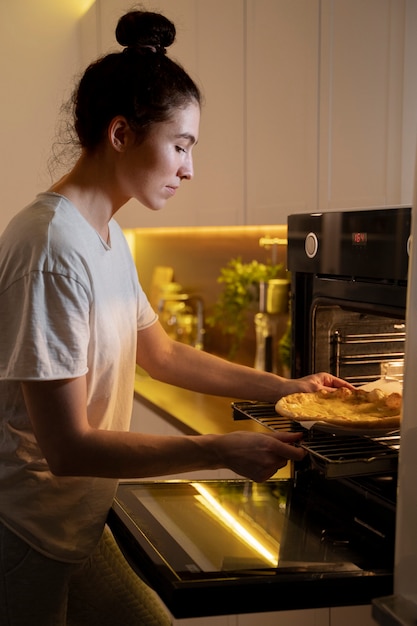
x: 314, y: 382
x: 256, y: 456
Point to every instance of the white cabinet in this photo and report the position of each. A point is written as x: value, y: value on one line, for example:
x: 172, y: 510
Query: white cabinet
x: 361, y: 103
x: 326, y: 96
x: 282, y: 53
x: 309, y: 105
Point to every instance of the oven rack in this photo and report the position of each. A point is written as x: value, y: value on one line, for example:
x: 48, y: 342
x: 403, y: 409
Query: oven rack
x: 357, y: 357
x: 333, y: 454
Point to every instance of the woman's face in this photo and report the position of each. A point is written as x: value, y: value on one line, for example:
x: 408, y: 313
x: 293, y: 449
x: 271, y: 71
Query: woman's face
x: 153, y: 170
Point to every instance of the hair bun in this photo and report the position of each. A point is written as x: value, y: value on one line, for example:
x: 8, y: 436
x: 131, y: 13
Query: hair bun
x: 144, y: 29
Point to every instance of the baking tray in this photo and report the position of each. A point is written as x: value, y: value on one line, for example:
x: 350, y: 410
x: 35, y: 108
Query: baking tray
x: 334, y: 455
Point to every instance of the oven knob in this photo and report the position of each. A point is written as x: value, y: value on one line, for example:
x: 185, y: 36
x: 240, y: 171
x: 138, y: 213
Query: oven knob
x: 311, y: 245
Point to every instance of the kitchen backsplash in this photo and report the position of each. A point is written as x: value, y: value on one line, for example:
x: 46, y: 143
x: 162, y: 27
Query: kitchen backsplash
x: 197, y: 256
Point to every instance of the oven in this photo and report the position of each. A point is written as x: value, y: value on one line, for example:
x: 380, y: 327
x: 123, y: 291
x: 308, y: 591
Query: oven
x: 349, y: 297
x: 349, y: 274
x: 325, y: 536
x: 349, y: 290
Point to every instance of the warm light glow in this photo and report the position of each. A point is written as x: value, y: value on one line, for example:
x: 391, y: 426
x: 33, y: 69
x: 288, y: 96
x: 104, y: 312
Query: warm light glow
x: 267, y: 230
x: 211, y: 504
x: 71, y: 8
x: 85, y: 5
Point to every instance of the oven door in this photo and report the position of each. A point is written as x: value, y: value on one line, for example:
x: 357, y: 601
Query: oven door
x: 229, y: 547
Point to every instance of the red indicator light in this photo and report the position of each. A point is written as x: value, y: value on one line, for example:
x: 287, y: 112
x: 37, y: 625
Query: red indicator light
x: 359, y: 239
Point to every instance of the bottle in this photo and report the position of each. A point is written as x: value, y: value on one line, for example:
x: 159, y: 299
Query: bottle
x: 265, y: 333
x: 273, y: 302
x: 182, y: 315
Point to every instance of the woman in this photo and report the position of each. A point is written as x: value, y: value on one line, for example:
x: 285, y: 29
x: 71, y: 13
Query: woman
x: 73, y: 323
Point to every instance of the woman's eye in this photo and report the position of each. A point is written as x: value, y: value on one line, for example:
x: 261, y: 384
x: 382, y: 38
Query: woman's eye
x: 180, y: 149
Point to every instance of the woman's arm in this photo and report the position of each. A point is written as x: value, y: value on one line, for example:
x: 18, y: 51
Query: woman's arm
x: 184, y: 366
x: 57, y: 410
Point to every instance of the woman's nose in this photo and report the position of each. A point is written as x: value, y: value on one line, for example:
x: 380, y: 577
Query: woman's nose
x: 187, y: 170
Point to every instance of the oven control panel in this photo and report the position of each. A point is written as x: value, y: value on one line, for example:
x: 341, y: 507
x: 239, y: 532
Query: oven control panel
x: 369, y: 243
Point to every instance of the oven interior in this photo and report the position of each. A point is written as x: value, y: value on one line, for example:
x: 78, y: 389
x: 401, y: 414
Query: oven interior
x: 353, y: 345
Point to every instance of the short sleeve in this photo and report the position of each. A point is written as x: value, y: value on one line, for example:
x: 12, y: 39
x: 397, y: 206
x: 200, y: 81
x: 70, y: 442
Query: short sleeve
x: 44, y: 328
x: 146, y: 314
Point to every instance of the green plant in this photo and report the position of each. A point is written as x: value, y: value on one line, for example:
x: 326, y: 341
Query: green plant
x: 239, y: 295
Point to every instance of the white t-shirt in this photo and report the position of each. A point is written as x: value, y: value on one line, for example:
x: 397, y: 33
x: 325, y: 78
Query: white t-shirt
x: 70, y: 305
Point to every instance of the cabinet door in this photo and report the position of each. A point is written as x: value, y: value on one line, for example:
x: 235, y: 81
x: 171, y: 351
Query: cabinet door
x: 361, y: 100
x: 282, y: 108
x: 307, y: 617
x: 218, y: 188
x: 348, y: 615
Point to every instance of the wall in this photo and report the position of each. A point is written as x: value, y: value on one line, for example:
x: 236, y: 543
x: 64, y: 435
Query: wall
x: 39, y: 55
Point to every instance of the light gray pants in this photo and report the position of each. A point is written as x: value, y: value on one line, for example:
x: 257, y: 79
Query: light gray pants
x: 37, y: 591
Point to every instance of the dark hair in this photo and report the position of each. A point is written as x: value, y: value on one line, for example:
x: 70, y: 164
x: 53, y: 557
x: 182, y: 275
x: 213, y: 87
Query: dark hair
x: 141, y: 82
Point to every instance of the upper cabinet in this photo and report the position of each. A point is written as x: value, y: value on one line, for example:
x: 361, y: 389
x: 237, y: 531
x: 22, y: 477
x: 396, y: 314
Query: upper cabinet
x: 308, y: 105
x: 282, y: 85
x: 361, y: 102
x: 331, y: 104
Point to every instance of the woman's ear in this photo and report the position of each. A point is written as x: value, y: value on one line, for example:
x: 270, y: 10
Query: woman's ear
x: 119, y: 133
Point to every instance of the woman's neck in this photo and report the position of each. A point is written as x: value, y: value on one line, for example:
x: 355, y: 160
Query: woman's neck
x: 90, y: 190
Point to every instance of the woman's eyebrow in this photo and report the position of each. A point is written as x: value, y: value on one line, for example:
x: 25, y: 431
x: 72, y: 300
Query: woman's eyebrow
x: 187, y: 136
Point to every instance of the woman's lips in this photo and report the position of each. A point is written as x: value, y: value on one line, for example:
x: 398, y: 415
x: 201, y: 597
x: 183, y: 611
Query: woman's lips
x: 171, y: 190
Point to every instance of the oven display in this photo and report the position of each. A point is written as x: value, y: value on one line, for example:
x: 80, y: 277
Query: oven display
x: 359, y: 238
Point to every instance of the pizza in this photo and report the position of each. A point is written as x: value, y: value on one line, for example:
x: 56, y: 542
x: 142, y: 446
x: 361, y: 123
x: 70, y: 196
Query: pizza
x: 344, y: 407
